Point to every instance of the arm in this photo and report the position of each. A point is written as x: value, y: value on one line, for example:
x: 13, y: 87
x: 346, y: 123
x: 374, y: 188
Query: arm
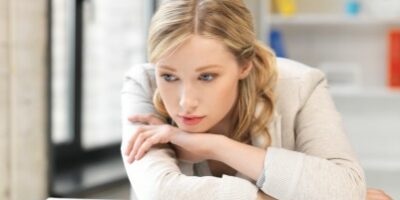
x: 244, y: 153
x: 193, y: 146
x: 323, y: 165
x: 157, y: 175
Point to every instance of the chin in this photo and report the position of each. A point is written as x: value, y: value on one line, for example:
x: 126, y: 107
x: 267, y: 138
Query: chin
x: 193, y: 129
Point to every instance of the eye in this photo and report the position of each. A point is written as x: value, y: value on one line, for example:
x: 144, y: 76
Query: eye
x: 207, y: 77
x: 168, y: 77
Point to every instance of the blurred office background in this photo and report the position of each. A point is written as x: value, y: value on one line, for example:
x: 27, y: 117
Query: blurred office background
x: 61, y: 69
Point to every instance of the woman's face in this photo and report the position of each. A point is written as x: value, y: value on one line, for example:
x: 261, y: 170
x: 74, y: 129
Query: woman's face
x: 198, y: 83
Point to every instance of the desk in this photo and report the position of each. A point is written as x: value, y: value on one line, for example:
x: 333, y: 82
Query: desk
x: 51, y: 198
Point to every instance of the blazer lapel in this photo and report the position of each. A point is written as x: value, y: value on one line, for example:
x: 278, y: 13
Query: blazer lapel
x: 275, y: 130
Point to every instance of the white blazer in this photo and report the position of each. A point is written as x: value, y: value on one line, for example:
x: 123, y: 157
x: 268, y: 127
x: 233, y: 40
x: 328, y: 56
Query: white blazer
x: 310, y: 156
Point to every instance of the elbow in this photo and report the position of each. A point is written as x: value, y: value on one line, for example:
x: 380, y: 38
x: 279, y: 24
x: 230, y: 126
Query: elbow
x: 336, y: 183
x: 163, y: 189
x: 142, y: 186
x: 143, y: 190
x: 357, y: 179
x: 166, y: 187
x: 145, y: 193
x: 352, y: 184
x: 348, y: 181
x: 148, y: 176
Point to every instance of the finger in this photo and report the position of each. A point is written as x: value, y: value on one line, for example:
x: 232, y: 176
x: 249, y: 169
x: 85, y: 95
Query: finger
x: 150, y: 141
x: 373, y: 190
x: 372, y: 197
x: 132, y: 140
x: 377, y: 195
x: 140, y: 139
x: 146, y: 118
x: 156, y: 121
x: 145, y: 147
x: 377, y: 192
x: 135, y: 118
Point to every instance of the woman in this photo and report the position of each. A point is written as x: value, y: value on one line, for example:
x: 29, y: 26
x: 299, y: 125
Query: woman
x: 215, y: 115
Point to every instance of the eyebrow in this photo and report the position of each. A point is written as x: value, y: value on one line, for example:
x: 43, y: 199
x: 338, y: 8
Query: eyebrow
x: 197, y: 70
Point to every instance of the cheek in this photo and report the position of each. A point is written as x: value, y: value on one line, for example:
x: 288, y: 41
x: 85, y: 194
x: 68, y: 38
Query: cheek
x: 223, y: 97
x: 169, y: 95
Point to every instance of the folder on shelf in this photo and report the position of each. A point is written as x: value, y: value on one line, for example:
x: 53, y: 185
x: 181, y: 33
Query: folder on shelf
x: 285, y: 7
x: 394, y: 58
x: 276, y: 43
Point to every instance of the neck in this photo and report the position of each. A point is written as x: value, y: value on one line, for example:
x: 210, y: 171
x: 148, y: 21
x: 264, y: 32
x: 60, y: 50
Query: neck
x: 226, y: 125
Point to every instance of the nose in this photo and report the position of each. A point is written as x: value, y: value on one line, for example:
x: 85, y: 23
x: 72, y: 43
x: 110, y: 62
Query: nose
x: 188, y: 101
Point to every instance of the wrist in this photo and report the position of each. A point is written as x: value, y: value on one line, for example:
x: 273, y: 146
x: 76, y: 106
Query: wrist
x: 178, y: 138
x: 207, y: 145
x: 217, y: 148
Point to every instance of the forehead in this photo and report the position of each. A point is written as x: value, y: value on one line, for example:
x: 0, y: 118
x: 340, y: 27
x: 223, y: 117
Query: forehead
x: 197, y: 52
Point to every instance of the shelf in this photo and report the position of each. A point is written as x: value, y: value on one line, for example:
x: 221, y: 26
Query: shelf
x: 365, y: 92
x: 325, y: 20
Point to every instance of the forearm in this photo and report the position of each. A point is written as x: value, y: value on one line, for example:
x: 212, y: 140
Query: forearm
x: 187, y: 156
x: 198, y: 144
x: 156, y: 176
x: 247, y: 159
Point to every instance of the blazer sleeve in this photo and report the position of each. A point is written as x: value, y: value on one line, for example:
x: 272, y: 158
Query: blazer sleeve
x: 157, y: 175
x: 323, y: 165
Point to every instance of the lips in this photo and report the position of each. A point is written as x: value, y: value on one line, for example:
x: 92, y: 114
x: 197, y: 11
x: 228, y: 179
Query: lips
x: 190, y: 120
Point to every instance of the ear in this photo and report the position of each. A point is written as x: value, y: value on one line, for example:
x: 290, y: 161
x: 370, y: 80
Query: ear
x: 245, y: 70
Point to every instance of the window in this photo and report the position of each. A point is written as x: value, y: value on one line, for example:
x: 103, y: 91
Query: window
x: 62, y: 62
x: 113, y: 40
x: 93, y: 43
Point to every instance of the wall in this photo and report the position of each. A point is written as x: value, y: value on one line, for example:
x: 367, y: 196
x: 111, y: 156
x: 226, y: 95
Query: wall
x: 4, y: 104
x: 23, y: 99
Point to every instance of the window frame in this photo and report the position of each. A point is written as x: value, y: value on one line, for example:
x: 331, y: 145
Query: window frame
x: 72, y: 154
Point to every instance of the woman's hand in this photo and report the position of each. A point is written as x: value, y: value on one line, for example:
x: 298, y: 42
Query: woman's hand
x: 376, y: 194
x: 155, y: 132
x: 193, y: 147
x: 150, y: 119
x: 183, y: 154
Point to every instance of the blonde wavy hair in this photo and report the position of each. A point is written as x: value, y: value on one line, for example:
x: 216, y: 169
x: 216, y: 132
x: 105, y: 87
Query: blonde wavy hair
x: 231, y: 22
